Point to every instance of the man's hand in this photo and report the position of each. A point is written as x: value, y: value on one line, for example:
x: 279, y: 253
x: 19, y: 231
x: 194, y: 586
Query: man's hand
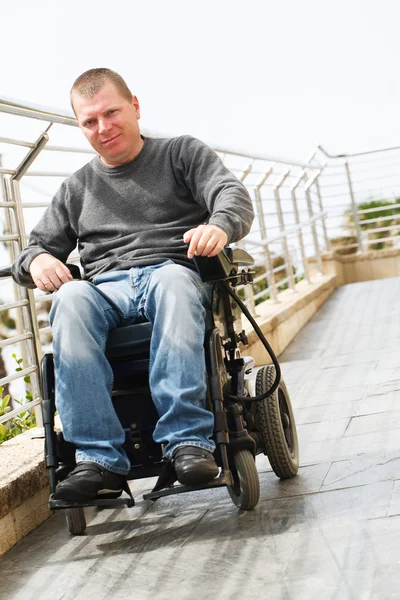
x: 205, y: 240
x: 49, y: 273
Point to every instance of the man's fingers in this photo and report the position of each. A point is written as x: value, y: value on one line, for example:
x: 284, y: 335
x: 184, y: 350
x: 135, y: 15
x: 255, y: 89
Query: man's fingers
x: 188, y: 235
x: 39, y: 284
x: 206, y: 243
x: 49, y: 273
x: 217, y: 249
x: 205, y: 240
x: 192, y: 250
x: 53, y: 280
x: 63, y: 273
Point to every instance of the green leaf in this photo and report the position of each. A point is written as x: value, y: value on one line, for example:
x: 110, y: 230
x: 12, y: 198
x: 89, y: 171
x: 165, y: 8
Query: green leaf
x: 14, y: 355
x: 19, y: 361
x: 5, y: 401
x: 27, y: 379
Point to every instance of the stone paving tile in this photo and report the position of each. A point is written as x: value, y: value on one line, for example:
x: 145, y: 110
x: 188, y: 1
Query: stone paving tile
x: 339, y: 378
x: 365, y: 356
x: 386, y: 582
x: 379, y: 403
x: 305, y: 397
x: 363, y: 471
x: 394, y: 506
x: 308, y: 481
x: 325, y: 412
x: 374, y: 444
x: 376, y: 422
x: 324, y: 430
x: 384, y: 376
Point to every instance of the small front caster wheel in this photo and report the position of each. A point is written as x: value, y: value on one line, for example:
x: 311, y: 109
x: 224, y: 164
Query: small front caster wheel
x: 76, y: 521
x: 245, y: 491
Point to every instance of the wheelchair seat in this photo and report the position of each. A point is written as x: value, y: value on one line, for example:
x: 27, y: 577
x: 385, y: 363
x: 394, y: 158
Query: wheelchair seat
x: 130, y: 340
x: 134, y: 340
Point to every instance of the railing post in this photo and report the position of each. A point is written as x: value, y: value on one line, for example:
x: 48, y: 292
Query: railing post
x: 263, y: 232
x: 30, y: 321
x: 313, y: 226
x: 270, y: 274
x: 300, y: 234
x: 258, y: 202
x: 245, y: 172
x: 354, y: 209
x: 323, y: 220
x: 282, y: 228
x: 249, y: 294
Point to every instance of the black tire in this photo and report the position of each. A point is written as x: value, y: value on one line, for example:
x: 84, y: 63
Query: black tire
x: 275, y: 420
x: 245, y: 491
x: 76, y: 521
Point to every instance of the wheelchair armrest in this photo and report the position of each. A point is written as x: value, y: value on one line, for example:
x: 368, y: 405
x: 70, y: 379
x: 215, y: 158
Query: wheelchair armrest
x: 5, y: 272
x: 223, y: 265
x: 75, y: 271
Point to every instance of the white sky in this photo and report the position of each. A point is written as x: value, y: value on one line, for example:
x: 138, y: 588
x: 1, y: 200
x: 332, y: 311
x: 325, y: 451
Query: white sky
x: 273, y: 77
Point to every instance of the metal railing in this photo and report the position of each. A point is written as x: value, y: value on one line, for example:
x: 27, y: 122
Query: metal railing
x: 362, y: 199
x: 289, y: 228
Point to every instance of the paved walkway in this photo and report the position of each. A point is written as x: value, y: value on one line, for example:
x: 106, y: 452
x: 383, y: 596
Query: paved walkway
x: 330, y: 533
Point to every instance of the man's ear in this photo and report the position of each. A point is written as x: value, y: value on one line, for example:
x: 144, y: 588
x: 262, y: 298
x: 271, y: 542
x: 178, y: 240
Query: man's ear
x: 135, y: 104
x: 73, y: 109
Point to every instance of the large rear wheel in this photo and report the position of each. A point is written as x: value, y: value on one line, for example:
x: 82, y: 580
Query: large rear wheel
x: 275, y: 420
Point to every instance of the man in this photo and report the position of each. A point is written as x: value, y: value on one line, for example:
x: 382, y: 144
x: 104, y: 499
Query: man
x: 139, y: 212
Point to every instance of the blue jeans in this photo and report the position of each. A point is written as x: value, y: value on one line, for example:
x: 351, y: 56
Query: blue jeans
x: 174, y: 299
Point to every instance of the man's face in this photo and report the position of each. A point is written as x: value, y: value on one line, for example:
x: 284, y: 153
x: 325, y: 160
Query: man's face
x: 110, y: 123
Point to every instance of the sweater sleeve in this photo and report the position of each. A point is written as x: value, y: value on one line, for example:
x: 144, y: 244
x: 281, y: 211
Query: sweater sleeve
x: 211, y: 183
x: 53, y: 235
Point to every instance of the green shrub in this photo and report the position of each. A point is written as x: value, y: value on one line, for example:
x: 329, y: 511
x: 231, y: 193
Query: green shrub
x: 389, y: 209
x: 25, y: 420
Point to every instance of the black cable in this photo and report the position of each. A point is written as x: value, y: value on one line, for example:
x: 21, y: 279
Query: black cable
x: 266, y: 345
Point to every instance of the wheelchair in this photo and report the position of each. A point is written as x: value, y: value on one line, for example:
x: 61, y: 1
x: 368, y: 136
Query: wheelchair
x: 250, y: 417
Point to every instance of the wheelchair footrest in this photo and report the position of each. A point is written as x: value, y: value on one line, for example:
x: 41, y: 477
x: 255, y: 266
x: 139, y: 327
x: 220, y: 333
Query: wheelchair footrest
x: 103, y: 502
x: 224, y: 479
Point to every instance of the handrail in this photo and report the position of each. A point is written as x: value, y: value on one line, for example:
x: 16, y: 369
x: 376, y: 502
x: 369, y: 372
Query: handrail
x: 351, y: 155
x: 266, y: 158
x: 35, y: 111
x: 53, y: 115
x: 287, y: 232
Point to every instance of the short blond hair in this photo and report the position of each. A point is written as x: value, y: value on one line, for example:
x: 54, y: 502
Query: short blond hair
x: 91, y: 82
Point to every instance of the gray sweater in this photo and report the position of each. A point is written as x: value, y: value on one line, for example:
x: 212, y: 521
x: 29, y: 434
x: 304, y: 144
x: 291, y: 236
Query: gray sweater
x: 136, y: 214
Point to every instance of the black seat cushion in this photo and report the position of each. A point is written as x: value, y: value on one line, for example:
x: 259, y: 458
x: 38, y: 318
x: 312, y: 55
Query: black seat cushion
x: 130, y: 340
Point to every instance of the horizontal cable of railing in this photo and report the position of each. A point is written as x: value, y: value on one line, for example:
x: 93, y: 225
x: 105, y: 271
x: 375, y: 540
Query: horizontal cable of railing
x: 23, y: 408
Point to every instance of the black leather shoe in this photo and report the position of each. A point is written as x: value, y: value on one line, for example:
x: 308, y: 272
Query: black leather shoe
x: 193, y: 465
x: 89, y: 481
